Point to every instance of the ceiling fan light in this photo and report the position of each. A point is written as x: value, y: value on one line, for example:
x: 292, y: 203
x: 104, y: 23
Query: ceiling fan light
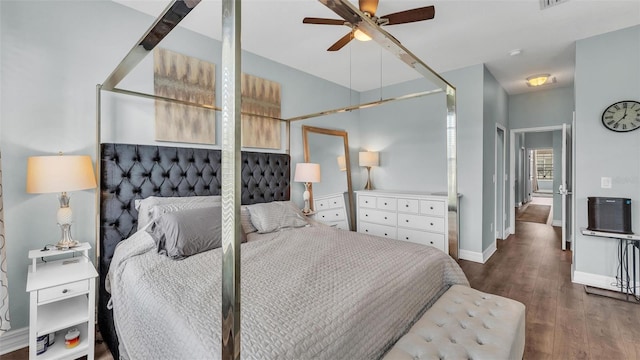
x: 537, y: 80
x: 361, y: 35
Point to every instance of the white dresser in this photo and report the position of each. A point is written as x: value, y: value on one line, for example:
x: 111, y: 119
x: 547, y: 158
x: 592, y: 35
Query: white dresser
x: 331, y: 210
x: 409, y: 216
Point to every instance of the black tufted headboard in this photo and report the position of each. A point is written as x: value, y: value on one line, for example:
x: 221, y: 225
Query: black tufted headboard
x: 130, y: 172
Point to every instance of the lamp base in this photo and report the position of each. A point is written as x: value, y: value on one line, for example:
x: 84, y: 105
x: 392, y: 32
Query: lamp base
x: 368, y: 185
x: 66, y: 242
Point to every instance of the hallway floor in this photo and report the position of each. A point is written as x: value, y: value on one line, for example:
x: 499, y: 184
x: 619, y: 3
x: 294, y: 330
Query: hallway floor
x: 563, y: 322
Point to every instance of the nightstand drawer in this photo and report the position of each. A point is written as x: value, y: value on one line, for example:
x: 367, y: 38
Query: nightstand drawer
x: 63, y: 291
x: 378, y: 230
x: 378, y: 217
x: 330, y: 215
x: 336, y: 202
x: 321, y: 204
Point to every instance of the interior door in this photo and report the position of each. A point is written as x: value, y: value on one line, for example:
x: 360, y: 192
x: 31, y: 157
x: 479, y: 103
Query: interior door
x: 566, y: 185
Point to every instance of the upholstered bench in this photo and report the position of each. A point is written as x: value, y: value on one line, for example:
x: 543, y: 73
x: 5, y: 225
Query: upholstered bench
x: 465, y: 324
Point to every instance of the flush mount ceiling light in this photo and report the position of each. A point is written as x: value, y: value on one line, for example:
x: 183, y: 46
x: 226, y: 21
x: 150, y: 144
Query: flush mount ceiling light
x: 540, y: 79
x: 361, y: 35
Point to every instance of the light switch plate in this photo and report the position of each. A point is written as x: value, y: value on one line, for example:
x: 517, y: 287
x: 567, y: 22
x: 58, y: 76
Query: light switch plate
x: 605, y: 182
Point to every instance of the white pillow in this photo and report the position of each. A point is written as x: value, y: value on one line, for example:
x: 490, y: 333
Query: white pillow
x: 276, y: 215
x: 153, y: 207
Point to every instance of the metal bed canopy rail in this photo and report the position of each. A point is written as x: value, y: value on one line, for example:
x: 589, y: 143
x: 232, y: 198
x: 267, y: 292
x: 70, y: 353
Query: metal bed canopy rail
x: 231, y: 111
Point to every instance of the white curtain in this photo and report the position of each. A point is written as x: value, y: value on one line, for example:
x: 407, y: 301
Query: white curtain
x: 4, y: 287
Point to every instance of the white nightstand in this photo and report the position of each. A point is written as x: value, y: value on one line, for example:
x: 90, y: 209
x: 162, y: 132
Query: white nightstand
x: 62, y: 296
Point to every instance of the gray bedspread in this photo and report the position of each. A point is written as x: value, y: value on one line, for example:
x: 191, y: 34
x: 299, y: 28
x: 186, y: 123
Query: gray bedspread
x: 310, y: 293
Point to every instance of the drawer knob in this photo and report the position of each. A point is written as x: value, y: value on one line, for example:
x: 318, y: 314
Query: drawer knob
x: 385, y: 234
x: 431, y: 242
x: 64, y: 291
x: 407, y: 220
x: 365, y: 215
x: 406, y: 205
x: 385, y: 218
x: 431, y: 207
x: 407, y: 238
x: 385, y: 203
x: 367, y: 230
x: 431, y: 224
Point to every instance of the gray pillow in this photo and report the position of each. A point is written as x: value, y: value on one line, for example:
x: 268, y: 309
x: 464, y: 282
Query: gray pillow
x: 274, y: 216
x: 154, y: 206
x: 188, y: 232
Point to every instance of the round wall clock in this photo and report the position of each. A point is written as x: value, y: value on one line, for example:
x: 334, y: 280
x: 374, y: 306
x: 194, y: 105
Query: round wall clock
x: 622, y: 116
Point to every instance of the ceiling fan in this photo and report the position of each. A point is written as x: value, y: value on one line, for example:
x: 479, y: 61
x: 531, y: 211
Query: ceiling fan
x: 369, y: 7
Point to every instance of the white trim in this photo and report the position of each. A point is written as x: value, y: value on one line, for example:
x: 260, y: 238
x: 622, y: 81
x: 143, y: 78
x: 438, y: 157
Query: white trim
x: 512, y: 166
x: 488, y: 252
x: 595, y: 280
x: 556, y: 223
x: 508, y: 233
x: 471, y: 256
x: 14, y: 340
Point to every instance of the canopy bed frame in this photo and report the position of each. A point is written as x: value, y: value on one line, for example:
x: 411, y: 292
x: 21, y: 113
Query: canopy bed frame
x: 230, y: 155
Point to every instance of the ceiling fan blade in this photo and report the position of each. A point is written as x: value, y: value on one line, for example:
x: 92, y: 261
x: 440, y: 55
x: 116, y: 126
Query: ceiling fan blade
x: 407, y: 16
x: 342, y: 42
x: 368, y: 6
x: 321, y: 21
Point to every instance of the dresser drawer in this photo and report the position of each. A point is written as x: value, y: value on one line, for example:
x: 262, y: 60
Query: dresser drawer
x: 336, y: 202
x: 367, y: 201
x: 378, y: 230
x: 432, y: 207
x: 321, y: 204
x: 422, y: 237
x: 421, y: 222
x: 378, y: 217
x: 386, y: 203
x: 62, y: 291
x: 330, y: 215
x: 408, y: 205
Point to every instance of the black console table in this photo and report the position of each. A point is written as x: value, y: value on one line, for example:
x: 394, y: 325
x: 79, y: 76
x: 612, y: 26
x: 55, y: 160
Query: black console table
x: 627, y: 281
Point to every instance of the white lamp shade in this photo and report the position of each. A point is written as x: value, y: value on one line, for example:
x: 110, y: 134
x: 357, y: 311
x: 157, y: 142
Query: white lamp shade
x: 369, y: 158
x: 59, y: 173
x: 307, y: 172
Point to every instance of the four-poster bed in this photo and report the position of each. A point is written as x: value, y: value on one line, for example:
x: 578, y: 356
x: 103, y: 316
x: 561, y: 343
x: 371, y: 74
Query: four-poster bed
x: 230, y: 156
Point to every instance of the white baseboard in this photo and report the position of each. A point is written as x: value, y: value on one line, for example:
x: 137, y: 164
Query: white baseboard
x: 556, y: 223
x: 13, y: 340
x: 519, y: 204
x: 471, y: 256
x: 595, y: 280
x: 488, y: 252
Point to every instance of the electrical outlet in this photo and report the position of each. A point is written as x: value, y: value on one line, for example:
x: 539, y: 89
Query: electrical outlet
x: 605, y: 182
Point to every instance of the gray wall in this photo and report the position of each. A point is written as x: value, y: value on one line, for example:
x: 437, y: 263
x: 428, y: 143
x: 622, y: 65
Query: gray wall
x: 53, y: 55
x: 410, y: 138
x: 607, y: 71
x: 541, y: 108
x: 495, y: 111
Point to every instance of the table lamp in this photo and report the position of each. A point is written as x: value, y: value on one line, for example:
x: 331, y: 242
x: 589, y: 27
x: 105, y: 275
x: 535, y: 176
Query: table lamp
x: 342, y: 163
x: 368, y: 159
x: 307, y: 173
x: 59, y: 174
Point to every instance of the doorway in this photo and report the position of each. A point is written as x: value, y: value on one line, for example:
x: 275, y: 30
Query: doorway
x: 540, y: 175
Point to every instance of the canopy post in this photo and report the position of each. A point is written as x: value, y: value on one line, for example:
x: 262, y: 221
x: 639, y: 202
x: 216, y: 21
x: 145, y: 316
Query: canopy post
x: 231, y: 86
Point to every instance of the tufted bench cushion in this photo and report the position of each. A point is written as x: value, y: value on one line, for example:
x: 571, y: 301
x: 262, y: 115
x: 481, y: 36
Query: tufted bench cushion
x: 465, y: 324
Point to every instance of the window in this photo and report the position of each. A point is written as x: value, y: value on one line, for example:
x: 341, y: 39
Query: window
x: 544, y: 164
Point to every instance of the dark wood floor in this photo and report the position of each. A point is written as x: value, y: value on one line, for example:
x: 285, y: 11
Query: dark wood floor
x: 563, y: 322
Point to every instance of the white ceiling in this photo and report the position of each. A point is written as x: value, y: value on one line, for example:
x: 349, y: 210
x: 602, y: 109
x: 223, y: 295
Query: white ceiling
x: 463, y: 33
